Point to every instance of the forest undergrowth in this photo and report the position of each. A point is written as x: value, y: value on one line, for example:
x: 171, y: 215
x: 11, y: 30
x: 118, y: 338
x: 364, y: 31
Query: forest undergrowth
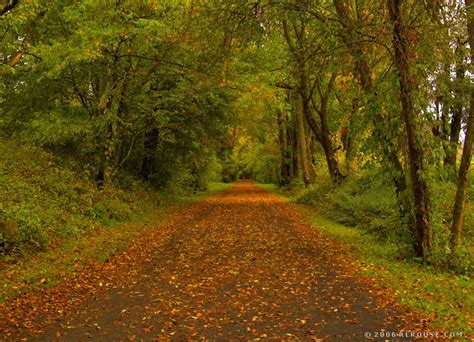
x: 54, y: 220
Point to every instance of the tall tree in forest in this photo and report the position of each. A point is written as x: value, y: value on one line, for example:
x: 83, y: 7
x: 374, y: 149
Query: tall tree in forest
x: 403, y: 60
x: 114, y: 82
x: 285, y: 169
x: 451, y: 128
x: 299, y: 46
x: 450, y: 96
x: 462, y: 184
x: 350, y: 34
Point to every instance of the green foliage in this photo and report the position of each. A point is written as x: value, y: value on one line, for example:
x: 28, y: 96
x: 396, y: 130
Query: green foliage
x: 442, y: 256
x: 117, y: 87
x: 43, y: 201
x: 108, y: 212
x: 368, y: 203
x: 20, y: 228
x: 230, y: 172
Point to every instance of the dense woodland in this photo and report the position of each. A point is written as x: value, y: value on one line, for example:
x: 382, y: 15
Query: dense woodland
x: 363, y: 109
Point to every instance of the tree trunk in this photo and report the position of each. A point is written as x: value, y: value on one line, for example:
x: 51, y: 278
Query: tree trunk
x: 415, y: 153
x: 100, y: 178
x: 150, y: 143
x: 326, y: 142
x: 300, y: 98
x: 301, y: 138
x: 309, y: 139
x: 9, y: 6
x: 463, y: 176
x: 456, y: 120
x: 285, y: 153
x: 294, y: 155
x: 322, y: 133
x: 104, y: 157
x: 331, y: 161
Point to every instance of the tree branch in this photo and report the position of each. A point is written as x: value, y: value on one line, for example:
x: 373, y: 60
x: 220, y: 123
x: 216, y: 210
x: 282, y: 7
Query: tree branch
x: 9, y: 6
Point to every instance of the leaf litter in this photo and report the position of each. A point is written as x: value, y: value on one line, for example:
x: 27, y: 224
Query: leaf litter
x: 243, y: 265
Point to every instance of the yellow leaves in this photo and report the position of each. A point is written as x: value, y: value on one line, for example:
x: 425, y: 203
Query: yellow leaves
x: 197, y: 315
x: 343, y: 87
x: 344, y: 81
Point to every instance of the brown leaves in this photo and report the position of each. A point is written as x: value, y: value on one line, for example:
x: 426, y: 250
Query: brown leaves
x: 241, y: 265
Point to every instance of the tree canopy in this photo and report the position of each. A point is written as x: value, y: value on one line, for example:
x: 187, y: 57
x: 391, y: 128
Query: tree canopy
x: 177, y: 93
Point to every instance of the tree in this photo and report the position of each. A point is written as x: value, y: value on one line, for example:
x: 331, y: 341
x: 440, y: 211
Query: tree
x: 351, y: 35
x: 462, y: 184
x: 110, y: 83
x: 295, y: 33
x: 403, y: 61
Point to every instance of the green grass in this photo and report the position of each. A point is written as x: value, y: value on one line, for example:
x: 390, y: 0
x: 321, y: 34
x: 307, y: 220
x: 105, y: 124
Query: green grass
x: 287, y: 194
x: 269, y: 187
x: 52, y: 266
x: 43, y: 201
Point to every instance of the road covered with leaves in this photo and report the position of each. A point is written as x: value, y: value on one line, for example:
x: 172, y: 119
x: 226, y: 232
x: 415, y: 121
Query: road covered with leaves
x: 243, y: 264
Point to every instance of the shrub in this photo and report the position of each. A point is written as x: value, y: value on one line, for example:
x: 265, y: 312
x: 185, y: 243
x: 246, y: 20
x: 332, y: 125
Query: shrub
x: 367, y: 202
x: 110, y: 211
x: 20, y: 230
x: 43, y: 200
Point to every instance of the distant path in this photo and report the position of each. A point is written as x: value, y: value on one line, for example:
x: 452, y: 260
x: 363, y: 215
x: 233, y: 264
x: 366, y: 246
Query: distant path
x: 242, y: 264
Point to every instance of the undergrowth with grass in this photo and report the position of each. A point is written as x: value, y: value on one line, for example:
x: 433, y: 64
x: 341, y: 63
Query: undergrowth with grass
x: 43, y: 202
x: 369, y: 203
x: 54, y: 220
